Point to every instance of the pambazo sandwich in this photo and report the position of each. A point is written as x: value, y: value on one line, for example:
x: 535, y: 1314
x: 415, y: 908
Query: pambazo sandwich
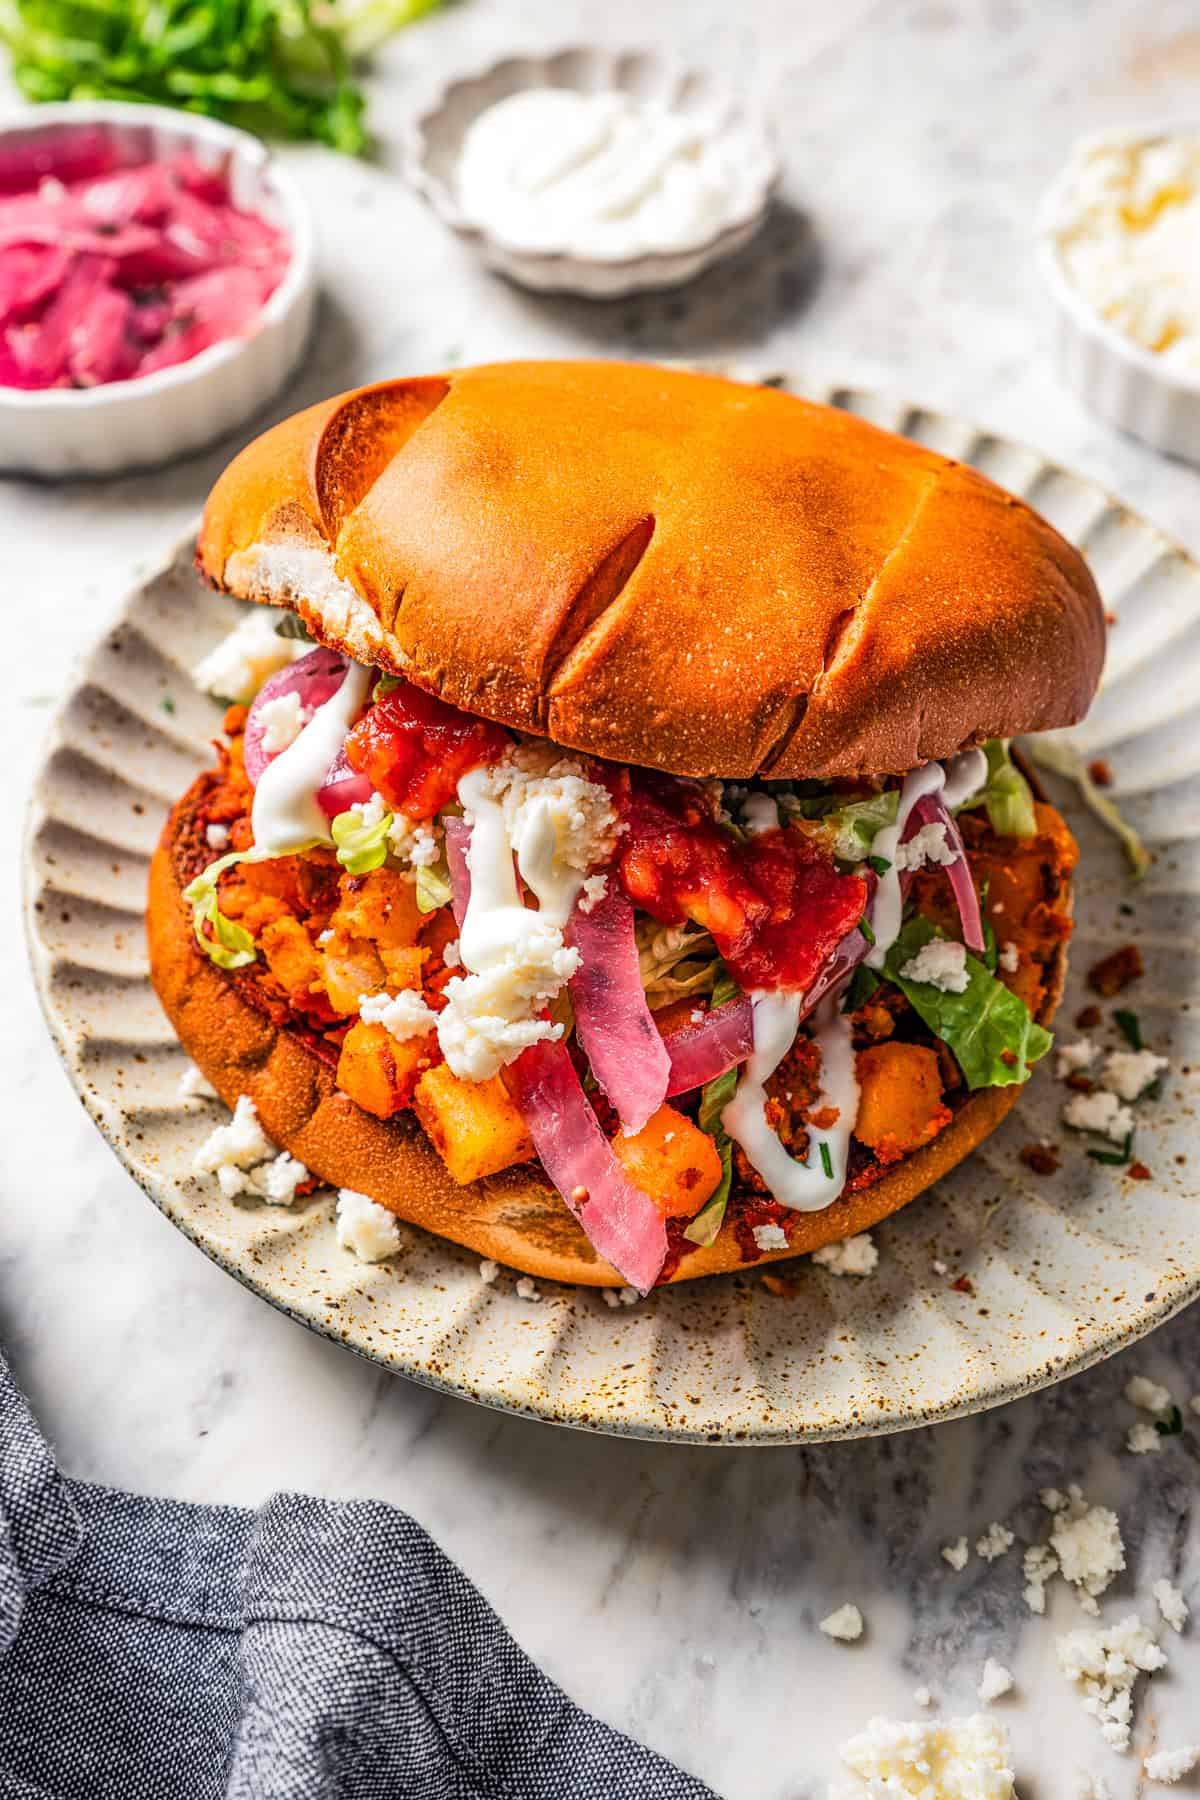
x: 622, y: 867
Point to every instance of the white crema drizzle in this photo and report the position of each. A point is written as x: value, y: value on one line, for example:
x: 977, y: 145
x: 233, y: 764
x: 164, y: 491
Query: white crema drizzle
x: 286, y: 816
x: 805, y: 1186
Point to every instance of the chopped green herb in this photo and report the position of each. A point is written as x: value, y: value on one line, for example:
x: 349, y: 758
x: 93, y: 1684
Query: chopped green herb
x: 827, y: 1160
x: 864, y: 925
x: 1172, y: 1425
x: 281, y: 68
x: 168, y: 705
x: 880, y: 864
x: 1115, y: 1158
x: 1130, y: 1028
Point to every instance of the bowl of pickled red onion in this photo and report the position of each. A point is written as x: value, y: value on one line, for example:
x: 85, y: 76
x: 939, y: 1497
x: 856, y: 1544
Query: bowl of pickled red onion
x: 156, y: 285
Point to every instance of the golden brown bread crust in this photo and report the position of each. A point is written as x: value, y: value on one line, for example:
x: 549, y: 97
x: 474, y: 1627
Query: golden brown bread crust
x: 664, y: 568
x: 515, y: 1218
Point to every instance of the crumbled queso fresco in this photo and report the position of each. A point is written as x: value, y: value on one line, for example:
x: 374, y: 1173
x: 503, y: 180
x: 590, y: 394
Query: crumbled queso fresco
x: 851, y: 1256
x: 1170, y: 1766
x: 951, y: 1759
x: 1125, y: 221
x: 845, y: 1624
x: 368, y: 1230
x: 941, y: 963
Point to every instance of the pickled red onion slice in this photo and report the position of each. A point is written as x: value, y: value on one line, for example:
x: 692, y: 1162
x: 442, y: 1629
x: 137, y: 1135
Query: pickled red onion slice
x: 621, y: 1222
x: 723, y: 1038
x: 458, y: 838
x: 615, y: 1026
x: 931, y: 809
x: 316, y: 678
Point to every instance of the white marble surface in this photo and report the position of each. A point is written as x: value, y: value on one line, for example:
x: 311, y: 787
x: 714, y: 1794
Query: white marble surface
x: 674, y: 1591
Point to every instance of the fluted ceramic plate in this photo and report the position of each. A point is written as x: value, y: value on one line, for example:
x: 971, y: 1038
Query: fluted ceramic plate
x: 1060, y: 1271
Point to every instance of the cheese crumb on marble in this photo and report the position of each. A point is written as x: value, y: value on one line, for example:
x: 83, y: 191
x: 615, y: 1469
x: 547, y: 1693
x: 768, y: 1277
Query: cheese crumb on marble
x: 1105, y: 1665
x: 527, y: 1289
x: 996, y: 1541
x: 1148, y: 1396
x: 283, y: 719
x: 1100, y: 1112
x: 940, y: 963
x: 242, y: 661
x: 951, y: 1759
x: 1170, y: 1766
x: 770, y: 1237
x: 994, y: 1682
x: 1087, y: 1542
x: 1142, y: 1439
x: 1128, y: 1073
x: 1171, y: 1604
x: 957, y: 1554
x: 368, y: 1230
x: 1072, y: 1059
x: 846, y: 1624
x: 403, y: 1016
x: 488, y: 1271
x: 852, y: 1256
x: 1091, y: 1787
x: 922, y: 1696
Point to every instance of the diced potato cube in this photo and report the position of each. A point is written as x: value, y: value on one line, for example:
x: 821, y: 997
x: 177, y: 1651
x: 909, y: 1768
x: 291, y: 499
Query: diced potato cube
x: 349, y: 971
x: 381, y: 906
x: 291, y: 955
x: 379, y: 1072
x: 673, y: 1161
x: 404, y: 966
x: 473, y: 1125
x: 900, y: 1102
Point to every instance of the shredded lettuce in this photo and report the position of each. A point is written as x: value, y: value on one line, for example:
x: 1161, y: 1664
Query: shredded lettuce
x: 851, y: 827
x: 1006, y: 795
x: 433, y: 886
x: 715, y: 1096
x: 361, y: 847
x: 990, y: 1030
x: 230, y: 945
x: 675, y: 962
x: 1052, y: 752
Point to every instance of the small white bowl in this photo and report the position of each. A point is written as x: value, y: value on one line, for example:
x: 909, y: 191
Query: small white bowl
x: 434, y: 140
x: 1115, y: 376
x: 132, y: 424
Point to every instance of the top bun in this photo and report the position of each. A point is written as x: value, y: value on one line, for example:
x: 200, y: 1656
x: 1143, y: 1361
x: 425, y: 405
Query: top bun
x: 664, y: 568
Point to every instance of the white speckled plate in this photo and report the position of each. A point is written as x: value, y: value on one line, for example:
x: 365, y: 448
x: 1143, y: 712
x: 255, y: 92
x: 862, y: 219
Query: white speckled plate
x: 1062, y: 1270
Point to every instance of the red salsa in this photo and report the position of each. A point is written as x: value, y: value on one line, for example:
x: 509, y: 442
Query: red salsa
x: 415, y: 749
x: 775, y: 904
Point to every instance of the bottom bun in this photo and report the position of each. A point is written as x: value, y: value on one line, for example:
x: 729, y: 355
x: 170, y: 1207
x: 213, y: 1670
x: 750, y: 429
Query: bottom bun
x: 516, y: 1218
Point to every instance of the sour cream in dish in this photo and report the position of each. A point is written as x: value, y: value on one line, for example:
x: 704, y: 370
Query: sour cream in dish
x: 606, y: 176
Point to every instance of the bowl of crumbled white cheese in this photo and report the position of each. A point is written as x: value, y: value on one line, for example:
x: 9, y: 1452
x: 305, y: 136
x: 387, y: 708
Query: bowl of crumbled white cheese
x: 1120, y: 250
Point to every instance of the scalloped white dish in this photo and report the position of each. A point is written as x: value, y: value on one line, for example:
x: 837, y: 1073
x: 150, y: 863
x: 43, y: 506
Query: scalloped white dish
x: 1060, y: 1271
x: 435, y: 139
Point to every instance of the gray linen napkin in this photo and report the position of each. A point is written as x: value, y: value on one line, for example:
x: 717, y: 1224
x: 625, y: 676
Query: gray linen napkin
x: 155, y: 1650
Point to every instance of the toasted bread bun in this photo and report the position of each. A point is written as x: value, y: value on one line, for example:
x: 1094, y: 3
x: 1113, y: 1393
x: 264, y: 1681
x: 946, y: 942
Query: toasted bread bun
x: 664, y: 568
x: 516, y: 1217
